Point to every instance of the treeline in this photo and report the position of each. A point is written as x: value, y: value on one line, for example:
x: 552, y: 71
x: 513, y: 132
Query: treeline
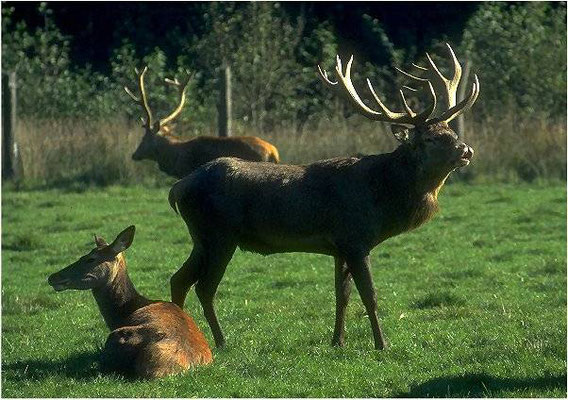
x: 76, y: 123
x: 518, y: 50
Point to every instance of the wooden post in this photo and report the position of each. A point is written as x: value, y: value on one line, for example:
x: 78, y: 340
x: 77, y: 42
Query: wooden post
x: 458, y: 124
x: 224, y: 102
x: 11, y: 166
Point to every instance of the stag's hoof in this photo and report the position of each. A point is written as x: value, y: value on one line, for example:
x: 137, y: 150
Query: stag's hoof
x: 338, y: 342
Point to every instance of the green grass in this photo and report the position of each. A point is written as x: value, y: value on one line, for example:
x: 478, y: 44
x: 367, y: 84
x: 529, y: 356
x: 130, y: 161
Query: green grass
x: 472, y: 304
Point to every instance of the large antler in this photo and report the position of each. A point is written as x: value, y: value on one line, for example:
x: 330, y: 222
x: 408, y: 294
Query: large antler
x: 448, y: 87
x: 142, y: 100
x: 408, y: 117
x: 181, y: 89
x: 434, y: 80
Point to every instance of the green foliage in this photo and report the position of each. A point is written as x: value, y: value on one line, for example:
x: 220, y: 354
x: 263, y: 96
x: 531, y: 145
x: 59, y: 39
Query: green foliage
x: 473, y: 304
x: 518, y: 49
x: 519, y: 52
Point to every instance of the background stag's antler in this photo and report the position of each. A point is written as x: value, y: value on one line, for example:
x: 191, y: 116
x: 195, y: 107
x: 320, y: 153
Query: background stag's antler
x: 181, y: 89
x: 142, y: 100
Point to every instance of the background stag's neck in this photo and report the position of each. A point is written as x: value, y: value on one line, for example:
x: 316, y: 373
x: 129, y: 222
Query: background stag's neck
x: 118, y: 299
x: 167, y: 153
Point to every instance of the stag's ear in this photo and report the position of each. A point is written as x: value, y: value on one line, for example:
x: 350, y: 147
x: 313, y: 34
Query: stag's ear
x: 123, y: 240
x: 401, y: 133
x: 100, y: 242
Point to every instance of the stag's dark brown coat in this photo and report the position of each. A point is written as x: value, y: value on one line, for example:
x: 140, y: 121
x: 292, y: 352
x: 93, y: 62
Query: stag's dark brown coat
x: 342, y: 207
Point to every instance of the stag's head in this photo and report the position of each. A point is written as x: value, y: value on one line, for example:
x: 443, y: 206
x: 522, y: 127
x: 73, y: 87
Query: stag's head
x: 154, y: 129
x: 97, y: 267
x: 434, y: 145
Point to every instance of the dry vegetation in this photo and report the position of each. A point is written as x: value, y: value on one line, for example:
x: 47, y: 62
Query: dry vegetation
x: 61, y: 152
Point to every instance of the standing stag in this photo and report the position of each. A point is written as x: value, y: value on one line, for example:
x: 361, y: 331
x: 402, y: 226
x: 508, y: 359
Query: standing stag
x: 149, y: 338
x: 177, y: 157
x: 342, y: 207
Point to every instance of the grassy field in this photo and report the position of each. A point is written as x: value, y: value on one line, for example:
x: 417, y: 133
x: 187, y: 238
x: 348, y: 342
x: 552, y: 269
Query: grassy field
x: 473, y: 303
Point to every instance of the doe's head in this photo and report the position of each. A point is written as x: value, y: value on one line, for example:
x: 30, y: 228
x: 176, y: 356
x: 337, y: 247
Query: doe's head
x: 97, y: 267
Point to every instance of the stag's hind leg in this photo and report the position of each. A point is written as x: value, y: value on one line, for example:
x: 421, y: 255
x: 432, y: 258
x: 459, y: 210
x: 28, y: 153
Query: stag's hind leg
x: 186, y: 276
x: 342, y: 292
x: 217, y: 256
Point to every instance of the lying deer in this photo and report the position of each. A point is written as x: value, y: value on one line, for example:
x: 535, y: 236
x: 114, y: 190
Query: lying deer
x: 149, y: 338
x: 177, y: 157
x: 342, y: 207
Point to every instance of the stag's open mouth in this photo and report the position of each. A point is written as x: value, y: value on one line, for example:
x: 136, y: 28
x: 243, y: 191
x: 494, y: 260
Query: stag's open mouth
x: 60, y: 285
x: 465, y: 157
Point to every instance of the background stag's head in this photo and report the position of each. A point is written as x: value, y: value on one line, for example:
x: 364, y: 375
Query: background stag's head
x: 97, y: 267
x: 154, y: 129
x: 146, y: 150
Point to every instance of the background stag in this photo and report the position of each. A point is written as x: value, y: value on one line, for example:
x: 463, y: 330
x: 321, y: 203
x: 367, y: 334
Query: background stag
x: 178, y: 157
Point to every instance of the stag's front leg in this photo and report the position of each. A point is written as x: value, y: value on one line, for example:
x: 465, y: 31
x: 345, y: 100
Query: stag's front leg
x: 360, y: 269
x: 342, y: 292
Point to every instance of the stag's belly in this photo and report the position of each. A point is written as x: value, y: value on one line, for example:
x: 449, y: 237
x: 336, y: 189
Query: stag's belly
x: 286, y: 243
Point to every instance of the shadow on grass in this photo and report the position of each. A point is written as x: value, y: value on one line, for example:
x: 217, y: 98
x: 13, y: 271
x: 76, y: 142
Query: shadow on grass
x: 480, y: 385
x: 78, y: 366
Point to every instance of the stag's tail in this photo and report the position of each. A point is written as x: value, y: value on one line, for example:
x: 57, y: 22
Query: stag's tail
x: 173, y: 196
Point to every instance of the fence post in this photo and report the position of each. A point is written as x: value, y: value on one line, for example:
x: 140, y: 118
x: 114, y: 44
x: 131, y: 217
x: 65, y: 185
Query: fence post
x: 224, y: 101
x: 11, y: 165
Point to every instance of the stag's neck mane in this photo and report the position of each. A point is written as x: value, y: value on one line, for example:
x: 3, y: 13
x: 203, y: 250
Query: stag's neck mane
x: 118, y: 298
x: 406, y: 190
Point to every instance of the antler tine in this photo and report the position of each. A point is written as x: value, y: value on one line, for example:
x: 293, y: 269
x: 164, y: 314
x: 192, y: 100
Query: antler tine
x: 143, y: 97
x: 142, y: 100
x: 411, y: 76
x: 409, y: 88
x: 408, y: 117
x: 325, y: 78
x: 449, y: 86
x: 463, y: 105
x: 136, y: 99
x: 386, y: 115
x: 405, y: 104
x: 181, y: 88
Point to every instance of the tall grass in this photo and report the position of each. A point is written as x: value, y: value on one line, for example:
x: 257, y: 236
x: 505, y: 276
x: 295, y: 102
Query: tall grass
x: 70, y: 152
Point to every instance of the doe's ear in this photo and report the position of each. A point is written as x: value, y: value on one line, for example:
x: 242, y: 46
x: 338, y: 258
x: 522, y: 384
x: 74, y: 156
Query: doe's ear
x: 401, y: 133
x: 100, y: 242
x: 123, y: 240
